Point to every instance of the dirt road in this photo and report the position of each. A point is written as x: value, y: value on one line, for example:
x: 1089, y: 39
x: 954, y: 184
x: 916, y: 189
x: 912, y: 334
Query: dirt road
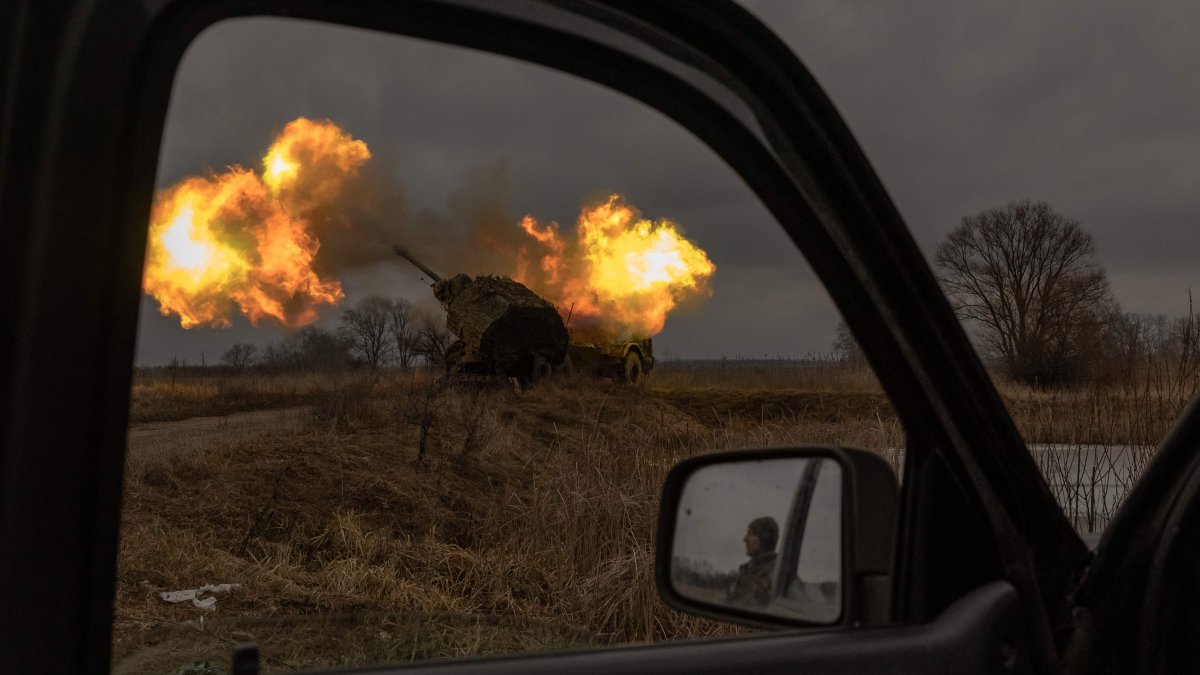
x: 156, y: 438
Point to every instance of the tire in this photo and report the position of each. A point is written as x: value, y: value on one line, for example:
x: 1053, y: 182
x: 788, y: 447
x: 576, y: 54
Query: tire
x: 635, y: 371
x: 532, y: 370
x: 541, y: 369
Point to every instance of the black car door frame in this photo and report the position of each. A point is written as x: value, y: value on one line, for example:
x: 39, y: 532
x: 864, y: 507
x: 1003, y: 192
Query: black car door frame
x: 85, y: 92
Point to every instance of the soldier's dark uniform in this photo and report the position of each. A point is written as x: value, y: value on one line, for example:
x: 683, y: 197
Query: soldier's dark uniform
x: 752, y: 585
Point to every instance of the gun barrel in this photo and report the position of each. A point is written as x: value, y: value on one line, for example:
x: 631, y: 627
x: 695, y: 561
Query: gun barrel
x: 403, y: 253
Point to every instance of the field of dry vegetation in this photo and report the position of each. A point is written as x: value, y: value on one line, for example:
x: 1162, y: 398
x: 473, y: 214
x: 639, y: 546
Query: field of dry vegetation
x: 397, y: 519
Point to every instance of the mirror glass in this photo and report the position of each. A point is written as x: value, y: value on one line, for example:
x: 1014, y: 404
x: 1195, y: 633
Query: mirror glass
x: 762, y: 536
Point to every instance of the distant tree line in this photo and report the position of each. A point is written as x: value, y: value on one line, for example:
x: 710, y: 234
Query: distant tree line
x: 374, y: 334
x: 1135, y: 340
x: 1026, y: 282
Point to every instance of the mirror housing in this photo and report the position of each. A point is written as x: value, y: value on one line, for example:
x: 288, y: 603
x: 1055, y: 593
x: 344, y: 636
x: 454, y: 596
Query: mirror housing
x: 869, y: 506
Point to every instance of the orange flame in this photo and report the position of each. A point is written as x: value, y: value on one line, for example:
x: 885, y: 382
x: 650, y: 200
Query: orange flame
x: 241, y: 239
x: 625, y: 274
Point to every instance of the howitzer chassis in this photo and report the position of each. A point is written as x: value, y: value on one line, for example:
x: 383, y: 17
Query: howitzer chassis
x: 503, y: 329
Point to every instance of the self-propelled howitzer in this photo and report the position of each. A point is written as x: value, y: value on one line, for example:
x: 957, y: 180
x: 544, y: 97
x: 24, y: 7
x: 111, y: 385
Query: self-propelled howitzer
x: 503, y: 328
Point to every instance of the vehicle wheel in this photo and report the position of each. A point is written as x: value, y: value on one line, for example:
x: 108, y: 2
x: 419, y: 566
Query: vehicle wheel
x: 541, y: 369
x: 531, y: 370
x: 566, y: 368
x: 635, y: 373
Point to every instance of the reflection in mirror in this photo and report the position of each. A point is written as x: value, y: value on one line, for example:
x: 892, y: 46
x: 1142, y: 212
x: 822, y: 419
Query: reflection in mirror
x: 762, y: 536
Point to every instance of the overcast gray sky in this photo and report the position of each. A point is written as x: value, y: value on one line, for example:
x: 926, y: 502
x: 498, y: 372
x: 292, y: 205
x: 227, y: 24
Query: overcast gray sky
x: 960, y: 106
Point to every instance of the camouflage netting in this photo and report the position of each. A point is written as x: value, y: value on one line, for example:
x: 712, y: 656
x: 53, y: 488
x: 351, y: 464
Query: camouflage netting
x: 501, y: 320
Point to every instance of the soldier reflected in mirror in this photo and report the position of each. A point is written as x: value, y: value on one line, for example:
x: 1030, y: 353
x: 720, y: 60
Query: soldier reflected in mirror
x: 752, y: 585
x: 762, y: 536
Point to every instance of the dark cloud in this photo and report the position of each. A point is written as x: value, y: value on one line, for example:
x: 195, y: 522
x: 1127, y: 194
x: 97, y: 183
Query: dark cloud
x: 960, y: 107
x: 963, y: 106
x: 468, y: 143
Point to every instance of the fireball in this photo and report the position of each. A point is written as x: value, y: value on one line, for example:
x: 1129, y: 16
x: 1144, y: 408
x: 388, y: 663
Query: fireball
x: 625, y: 273
x: 240, y: 241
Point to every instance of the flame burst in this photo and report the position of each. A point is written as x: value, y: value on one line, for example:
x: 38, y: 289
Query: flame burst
x: 623, y: 276
x: 245, y: 240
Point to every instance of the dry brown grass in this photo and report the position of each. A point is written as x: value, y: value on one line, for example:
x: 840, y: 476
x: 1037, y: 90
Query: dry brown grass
x: 161, y: 397
x: 527, y: 524
x: 530, y: 515
x: 1095, y: 414
x: 1104, y: 434
x: 765, y: 376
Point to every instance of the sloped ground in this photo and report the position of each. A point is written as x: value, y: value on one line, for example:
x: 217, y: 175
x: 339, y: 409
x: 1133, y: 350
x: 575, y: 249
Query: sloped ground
x: 527, y: 523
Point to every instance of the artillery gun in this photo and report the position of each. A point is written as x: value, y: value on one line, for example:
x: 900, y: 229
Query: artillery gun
x: 503, y: 329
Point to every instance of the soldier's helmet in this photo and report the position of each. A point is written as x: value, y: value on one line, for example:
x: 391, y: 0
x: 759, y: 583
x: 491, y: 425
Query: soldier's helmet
x: 767, y: 531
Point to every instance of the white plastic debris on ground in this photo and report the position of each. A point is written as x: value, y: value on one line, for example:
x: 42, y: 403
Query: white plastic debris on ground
x: 194, y: 594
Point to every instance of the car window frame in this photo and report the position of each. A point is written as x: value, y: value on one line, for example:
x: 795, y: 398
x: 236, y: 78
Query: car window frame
x: 794, y: 151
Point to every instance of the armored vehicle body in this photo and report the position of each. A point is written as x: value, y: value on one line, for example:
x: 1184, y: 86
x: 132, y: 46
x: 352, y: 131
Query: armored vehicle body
x: 502, y: 328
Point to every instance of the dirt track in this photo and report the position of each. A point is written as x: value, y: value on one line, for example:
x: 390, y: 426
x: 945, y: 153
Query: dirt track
x: 197, y: 432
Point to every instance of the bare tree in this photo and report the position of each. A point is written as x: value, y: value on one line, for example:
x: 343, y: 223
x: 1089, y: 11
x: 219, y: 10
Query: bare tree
x: 367, y: 328
x: 845, y: 347
x: 472, y: 409
x: 1187, y: 333
x: 176, y: 367
x: 1028, y: 276
x: 316, y: 350
x: 239, y: 356
x: 402, y: 330
x: 432, y: 342
x: 426, y: 397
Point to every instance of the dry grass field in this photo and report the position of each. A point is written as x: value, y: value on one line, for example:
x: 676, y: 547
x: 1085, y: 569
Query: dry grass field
x: 525, y: 522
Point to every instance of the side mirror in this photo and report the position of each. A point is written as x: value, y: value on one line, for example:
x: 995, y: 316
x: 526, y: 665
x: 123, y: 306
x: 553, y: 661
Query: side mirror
x: 779, y: 537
